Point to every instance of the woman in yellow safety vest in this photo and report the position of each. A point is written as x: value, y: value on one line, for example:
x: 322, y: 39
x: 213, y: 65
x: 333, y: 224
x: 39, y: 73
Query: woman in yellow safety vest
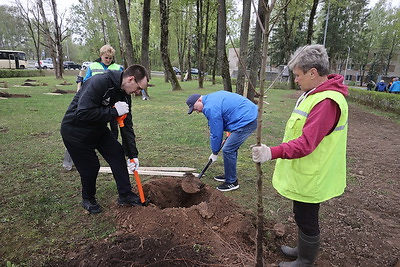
x: 311, y: 161
x: 103, y: 63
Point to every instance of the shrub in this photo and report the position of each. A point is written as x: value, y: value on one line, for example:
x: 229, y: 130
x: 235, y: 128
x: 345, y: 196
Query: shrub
x: 383, y: 101
x: 10, y: 73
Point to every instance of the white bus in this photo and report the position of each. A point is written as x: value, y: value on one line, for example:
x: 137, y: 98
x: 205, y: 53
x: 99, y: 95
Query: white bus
x: 10, y: 59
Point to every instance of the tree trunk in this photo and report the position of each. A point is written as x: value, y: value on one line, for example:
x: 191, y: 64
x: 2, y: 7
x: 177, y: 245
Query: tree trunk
x: 118, y: 23
x: 203, y: 59
x: 222, y: 57
x: 126, y: 33
x: 260, y: 207
x: 255, y: 59
x: 310, y: 29
x: 181, y: 30
x: 188, y: 76
x: 169, y: 72
x: 215, y: 63
x: 199, y: 33
x: 58, y: 61
x: 144, y: 57
x: 32, y: 27
x: 98, y: 6
x: 49, y: 39
x: 244, y: 39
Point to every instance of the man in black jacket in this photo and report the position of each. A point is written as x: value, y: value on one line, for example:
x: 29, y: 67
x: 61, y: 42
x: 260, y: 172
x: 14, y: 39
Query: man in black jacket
x: 103, y: 98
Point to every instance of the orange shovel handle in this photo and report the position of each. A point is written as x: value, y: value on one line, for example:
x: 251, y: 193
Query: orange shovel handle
x: 139, y: 185
x: 120, y: 120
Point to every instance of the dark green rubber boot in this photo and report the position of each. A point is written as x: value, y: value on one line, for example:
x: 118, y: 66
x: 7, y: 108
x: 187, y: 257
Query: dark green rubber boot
x: 307, y: 248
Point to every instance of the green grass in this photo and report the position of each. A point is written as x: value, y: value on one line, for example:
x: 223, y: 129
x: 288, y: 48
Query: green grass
x: 40, y: 213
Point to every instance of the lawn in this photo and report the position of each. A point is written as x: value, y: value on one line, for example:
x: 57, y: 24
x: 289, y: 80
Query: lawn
x: 40, y: 214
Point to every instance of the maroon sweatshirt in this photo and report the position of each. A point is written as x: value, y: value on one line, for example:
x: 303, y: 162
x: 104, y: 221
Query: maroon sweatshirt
x: 320, y: 122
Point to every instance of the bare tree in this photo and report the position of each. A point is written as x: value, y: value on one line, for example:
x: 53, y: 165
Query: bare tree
x: 260, y: 208
x: 58, y: 38
x: 33, y: 26
x: 53, y: 40
x: 244, y: 39
x: 169, y: 72
x: 126, y: 34
x: 221, y: 47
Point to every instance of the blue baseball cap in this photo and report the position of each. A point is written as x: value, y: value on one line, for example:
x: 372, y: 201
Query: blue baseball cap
x: 191, y: 101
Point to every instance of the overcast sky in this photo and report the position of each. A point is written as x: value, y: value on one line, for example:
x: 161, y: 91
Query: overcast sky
x: 373, y: 2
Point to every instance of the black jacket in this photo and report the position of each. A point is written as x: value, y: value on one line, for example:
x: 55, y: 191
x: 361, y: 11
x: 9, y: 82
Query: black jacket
x: 92, y: 108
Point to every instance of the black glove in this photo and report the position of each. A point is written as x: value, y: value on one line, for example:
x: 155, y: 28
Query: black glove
x: 79, y: 79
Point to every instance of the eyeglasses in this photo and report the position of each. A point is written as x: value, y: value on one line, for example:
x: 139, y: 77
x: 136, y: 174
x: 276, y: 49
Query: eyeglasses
x: 138, y: 85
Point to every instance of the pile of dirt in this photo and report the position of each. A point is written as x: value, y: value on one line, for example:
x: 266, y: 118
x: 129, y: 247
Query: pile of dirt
x: 187, y: 223
x: 8, y: 95
x: 59, y: 91
x: 65, y: 83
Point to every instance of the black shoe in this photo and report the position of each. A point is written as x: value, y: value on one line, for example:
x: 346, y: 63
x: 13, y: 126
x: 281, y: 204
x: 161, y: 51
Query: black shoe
x: 130, y: 199
x: 91, y: 205
x: 220, y: 178
x: 228, y: 187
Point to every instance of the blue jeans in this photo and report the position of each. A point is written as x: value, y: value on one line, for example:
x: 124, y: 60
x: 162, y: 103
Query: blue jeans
x: 230, y: 149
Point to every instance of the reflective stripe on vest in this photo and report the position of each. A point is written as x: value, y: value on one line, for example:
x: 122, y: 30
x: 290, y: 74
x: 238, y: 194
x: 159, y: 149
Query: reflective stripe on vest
x: 97, y: 68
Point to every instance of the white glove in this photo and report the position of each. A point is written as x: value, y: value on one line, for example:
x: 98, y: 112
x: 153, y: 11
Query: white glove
x: 261, y: 153
x: 213, y: 157
x: 133, y: 166
x: 121, y: 107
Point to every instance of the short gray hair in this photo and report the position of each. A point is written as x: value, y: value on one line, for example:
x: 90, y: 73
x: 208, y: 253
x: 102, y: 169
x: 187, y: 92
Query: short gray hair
x: 310, y: 56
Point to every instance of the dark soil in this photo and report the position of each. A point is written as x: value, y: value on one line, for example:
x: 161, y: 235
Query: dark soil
x: 59, y: 91
x: 7, y: 95
x: 196, y: 225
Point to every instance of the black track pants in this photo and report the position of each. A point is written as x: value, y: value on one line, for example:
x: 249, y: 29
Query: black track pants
x: 87, y: 162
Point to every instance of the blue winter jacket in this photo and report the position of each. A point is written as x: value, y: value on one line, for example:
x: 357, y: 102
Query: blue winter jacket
x: 380, y: 87
x: 226, y: 111
x: 395, y: 87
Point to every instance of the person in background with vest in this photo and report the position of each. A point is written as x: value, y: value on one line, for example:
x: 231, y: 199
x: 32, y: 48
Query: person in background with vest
x: 103, y: 63
x: 311, y: 161
x: 106, y: 62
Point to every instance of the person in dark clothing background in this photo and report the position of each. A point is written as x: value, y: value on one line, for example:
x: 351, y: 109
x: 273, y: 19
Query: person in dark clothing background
x: 103, y: 98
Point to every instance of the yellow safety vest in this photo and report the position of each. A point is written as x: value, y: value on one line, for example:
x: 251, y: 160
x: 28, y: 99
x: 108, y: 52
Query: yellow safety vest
x: 97, y: 68
x: 320, y: 175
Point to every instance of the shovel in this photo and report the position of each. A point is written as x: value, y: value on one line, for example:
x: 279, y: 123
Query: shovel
x: 210, y: 161
x: 121, y: 124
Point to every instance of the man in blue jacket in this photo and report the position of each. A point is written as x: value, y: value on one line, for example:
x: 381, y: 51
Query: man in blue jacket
x: 230, y: 112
